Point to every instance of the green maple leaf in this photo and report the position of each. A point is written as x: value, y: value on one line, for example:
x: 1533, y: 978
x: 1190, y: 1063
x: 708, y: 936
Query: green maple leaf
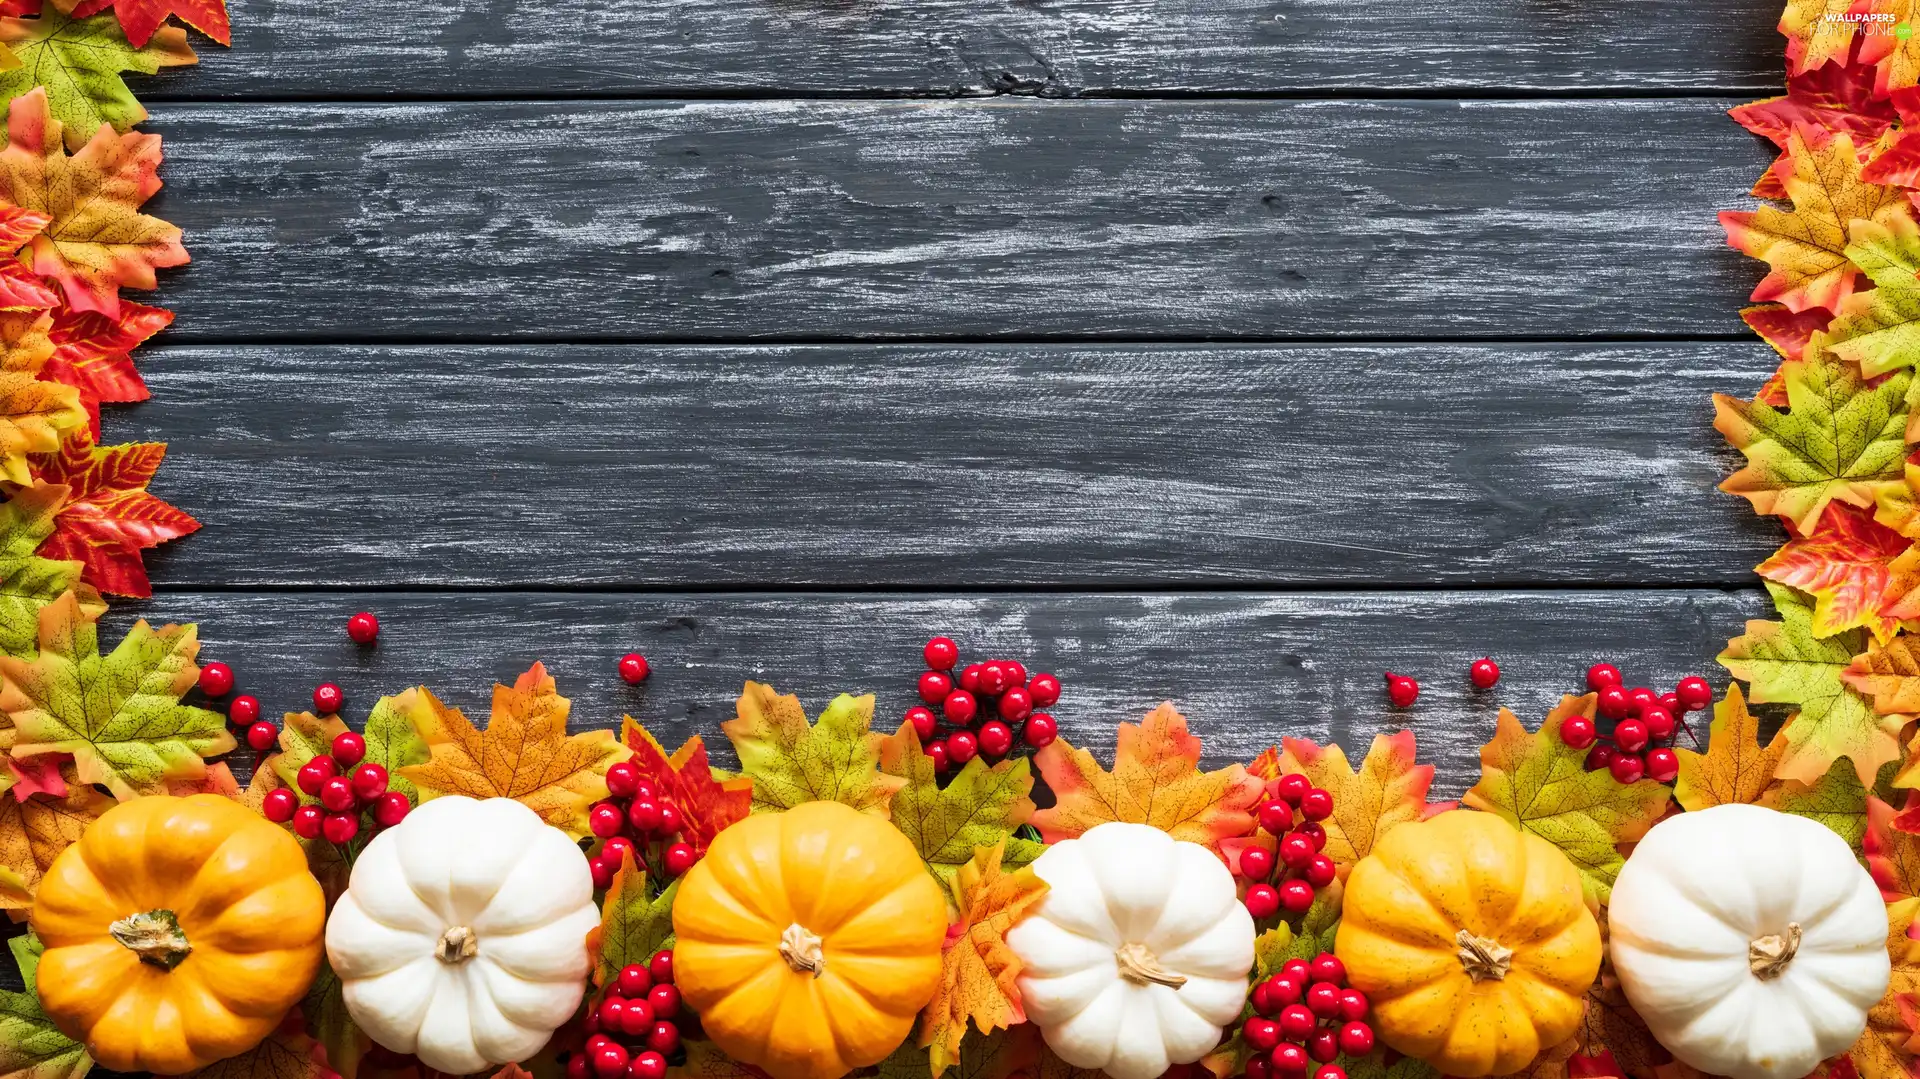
x: 393, y: 742
x: 303, y: 736
x: 790, y: 761
x: 1836, y: 800
x: 31, y: 1047
x: 1838, y: 439
x: 119, y: 714
x: 325, y: 1010
x: 79, y: 61
x: 633, y: 925
x: 981, y: 807
x: 1880, y: 329
x: 27, y: 581
x: 1784, y: 663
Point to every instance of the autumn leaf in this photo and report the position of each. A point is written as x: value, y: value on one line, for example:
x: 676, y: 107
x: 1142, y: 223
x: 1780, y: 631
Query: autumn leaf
x: 20, y: 288
x: 1786, y: 332
x: 33, y: 832
x: 394, y: 742
x: 91, y: 353
x: 287, y: 1053
x: 1827, y: 99
x: 707, y: 805
x: 1840, y: 440
x: 109, y: 517
x: 97, y: 240
x: 325, y: 1012
x: 1892, y: 855
x: 1895, y: 58
x: 1889, y: 675
x: 979, y: 971
x: 1612, y: 1032
x: 1815, y: 33
x: 140, y: 18
x: 1882, y: 1051
x: 1389, y: 790
x: 1735, y: 769
x: 28, y: 581
x: 1880, y: 329
x: 1002, y: 1054
x: 303, y: 736
x: 120, y: 714
x: 31, y: 1047
x: 1854, y: 568
x: 1541, y: 785
x: 834, y: 760
x: 633, y: 925
x: 1836, y: 800
x: 77, y: 62
x: 33, y: 412
x: 1784, y: 663
x: 980, y: 807
x: 1156, y: 779
x: 34, y: 775
x: 525, y: 753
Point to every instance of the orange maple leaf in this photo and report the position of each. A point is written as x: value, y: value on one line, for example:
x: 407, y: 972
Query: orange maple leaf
x: 1893, y: 856
x: 706, y: 805
x: 1859, y: 572
x: 1889, y: 674
x: 34, y: 831
x: 91, y: 353
x: 33, y: 411
x: 109, y: 517
x: 1735, y: 768
x: 1155, y: 780
x: 979, y: 972
x: 524, y: 753
x: 1389, y: 790
x: 1885, y: 1048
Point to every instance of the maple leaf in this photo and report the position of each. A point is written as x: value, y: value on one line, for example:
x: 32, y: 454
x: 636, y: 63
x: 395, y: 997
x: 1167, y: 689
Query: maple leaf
x: 325, y: 1012
x: 1735, y: 769
x: 91, y: 353
x: 33, y: 411
x: 1880, y: 329
x: 97, y: 240
x: 31, y: 1047
x: 1389, y: 790
x: 1889, y: 674
x: 1898, y: 505
x: 1826, y: 99
x: 28, y: 581
x: 1001, y: 1054
x: 34, y: 831
x: 1812, y: 37
x: 1806, y: 247
x: 1853, y: 568
x: 120, y: 714
x: 1840, y: 440
x: 287, y: 1053
x: 1784, y: 663
x: 707, y: 805
x: 525, y: 753
x: 140, y: 18
x: 1896, y: 61
x: 1156, y: 779
x: 1882, y: 1051
x: 109, y: 516
x: 1836, y: 800
x: 980, y: 807
x: 633, y: 924
x: 790, y: 762
x: 34, y: 775
x: 303, y: 736
x: 1892, y: 855
x: 1541, y: 785
x: 1613, y: 1038
x: 394, y: 742
x: 77, y: 62
x: 979, y: 971
x: 1786, y: 332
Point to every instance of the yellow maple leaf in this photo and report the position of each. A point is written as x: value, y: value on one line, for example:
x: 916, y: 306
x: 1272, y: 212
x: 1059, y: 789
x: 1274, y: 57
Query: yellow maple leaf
x: 791, y: 761
x: 33, y: 832
x: 524, y: 753
x: 1815, y: 33
x: 979, y: 971
x: 1156, y: 779
x: 1889, y: 675
x: 1736, y: 768
x: 1389, y: 790
x: 33, y: 412
x: 1882, y: 1051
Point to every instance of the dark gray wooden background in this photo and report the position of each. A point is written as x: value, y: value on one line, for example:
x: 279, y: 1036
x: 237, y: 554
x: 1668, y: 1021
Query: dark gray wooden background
x: 1231, y: 351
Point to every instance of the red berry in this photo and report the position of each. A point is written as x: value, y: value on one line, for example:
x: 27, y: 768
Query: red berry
x: 661, y: 966
x: 1599, y: 757
x: 679, y: 858
x: 1262, y: 998
x: 1262, y: 1034
x: 1353, y: 1005
x: 1630, y: 735
x: 665, y: 1000
x: 216, y: 679
x: 1327, y: 967
x: 1041, y: 730
x: 1296, y: 1022
x: 1295, y: 969
x: 1626, y: 768
x: 938, y: 751
x: 1291, y: 786
x: 617, y: 848
x: 1602, y: 675
x: 1256, y: 1068
x: 348, y: 749
x: 923, y: 722
x: 1577, y: 731
x: 1612, y: 702
x: 612, y: 1010
x: 1402, y: 691
x: 1296, y: 850
x: 1286, y: 989
x: 940, y: 653
x: 1694, y: 693
x: 244, y: 710
x: 336, y: 794
x: 606, y: 819
x: 1323, y: 999
x: 1320, y: 871
x: 363, y: 627
x: 577, y: 1066
x: 970, y: 677
x: 634, y: 981
x: 1290, y: 1061
x: 1045, y: 689
x: 340, y: 827
x: 328, y: 698
x: 369, y: 781
x: 959, y: 707
x: 643, y: 815
x: 1316, y: 804
x: 262, y: 736
x: 643, y: 790
x: 1324, y: 1046
x: 622, y: 779
x: 636, y: 1018
x: 1315, y: 833
x: 1263, y: 901
x: 934, y: 686
x: 1256, y: 863
x: 1663, y: 765
x: 308, y: 821
x: 602, y: 874
x: 634, y: 668
x: 610, y: 1061
x: 1639, y: 697
x: 1016, y: 704
x: 1296, y: 896
x: 962, y: 746
x: 1276, y: 817
x: 1670, y: 702
x: 1484, y: 673
x: 1659, y: 722
x: 390, y: 809
x: 278, y: 805
x: 670, y: 819
x: 996, y: 737
x: 593, y: 1024
x: 993, y: 678
x: 651, y: 1065
x: 1330, y: 1071
x: 664, y: 1039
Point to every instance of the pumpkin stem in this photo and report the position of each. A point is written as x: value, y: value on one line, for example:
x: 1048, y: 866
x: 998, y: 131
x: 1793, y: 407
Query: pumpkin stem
x: 1140, y: 966
x: 802, y: 951
x: 1768, y: 956
x: 156, y: 937
x: 457, y: 945
x: 1482, y: 958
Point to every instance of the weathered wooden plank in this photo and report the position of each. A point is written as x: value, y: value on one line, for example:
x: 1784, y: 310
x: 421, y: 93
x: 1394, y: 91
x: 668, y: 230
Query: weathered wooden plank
x: 537, y: 47
x: 649, y: 466
x: 1246, y: 668
x: 1006, y: 218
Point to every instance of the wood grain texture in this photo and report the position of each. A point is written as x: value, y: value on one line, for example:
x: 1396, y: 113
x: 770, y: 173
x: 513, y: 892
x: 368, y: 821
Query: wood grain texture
x: 517, y: 48
x: 1005, y: 218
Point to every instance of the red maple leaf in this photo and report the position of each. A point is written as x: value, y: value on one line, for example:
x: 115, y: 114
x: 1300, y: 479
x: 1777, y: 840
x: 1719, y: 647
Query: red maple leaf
x: 20, y: 288
x: 1852, y: 566
x: 109, y: 517
x: 140, y: 18
x: 90, y: 353
x: 1788, y: 333
x: 706, y: 804
x: 1832, y: 97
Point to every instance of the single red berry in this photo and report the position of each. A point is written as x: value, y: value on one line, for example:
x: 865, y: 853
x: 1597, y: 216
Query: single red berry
x: 1327, y: 967
x: 1045, y: 689
x: 1626, y: 768
x: 602, y: 877
x: 278, y: 805
x: 370, y: 781
x: 671, y: 820
x: 1262, y: 998
x: 577, y: 1067
x: 592, y: 1024
x: 1316, y: 804
x: 651, y: 1065
x: 661, y: 966
x: 1263, y: 901
x: 1402, y: 691
x: 643, y: 815
x: 1256, y: 863
x: 363, y: 627
x: 1484, y: 673
x: 1320, y: 871
x: 307, y: 821
x: 1296, y: 850
x: 644, y: 791
x: 1577, y: 731
x: 390, y: 809
x: 1291, y: 786
x: 634, y: 668
x: 336, y: 794
x: 1289, y: 1061
x: 1599, y: 757
x: 1694, y: 693
x: 610, y: 1061
x: 960, y: 707
x: 1296, y: 1022
x: 244, y: 711
x: 1262, y: 1034
x: 1663, y: 765
x: 1330, y: 1071
x: 665, y: 1000
x: 1016, y: 672
x: 1256, y: 1068
x: 922, y: 720
x: 634, y: 981
x: 996, y: 737
x: 216, y: 679
x: 664, y: 1039
x: 1295, y: 969
x: 1602, y: 675
x: 1041, y: 730
x: 938, y: 751
x: 262, y: 736
x: 606, y: 819
x: 1324, y: 1045
x: 1296, y: 896
x: 679, y: 858
x: 348, y: 749
x: 1323, y: 999
x: 934, y: 686
x: 1276, y: 817
x: 1353, y: 1005
x: 1630, y: 735
x: 1286, y: 990
x: 994, y: 678
x: 328, y: 698
x: 1314, y: 833
x: 340, y: 827
x: 962, y: 746
x: 940, y: 653
x: 1640, y: 697
x: 611, y: 1011
x: 618, y: 847
x: 637, y: 1018
x: 1612, y: 702
x: 1659, y: 722
x: 1670, y: 702
x: 1016, y: 704
x: 970, y: 677
x: 622, y: 779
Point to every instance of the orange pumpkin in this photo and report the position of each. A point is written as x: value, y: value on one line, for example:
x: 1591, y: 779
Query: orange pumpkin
x: 178, y: 932
x: 808, y: 940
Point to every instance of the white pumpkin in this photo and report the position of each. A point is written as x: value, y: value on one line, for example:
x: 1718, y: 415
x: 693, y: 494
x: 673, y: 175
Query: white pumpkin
x: 1138, y: 953
x: 462, y: 936
x: 1750, y: 941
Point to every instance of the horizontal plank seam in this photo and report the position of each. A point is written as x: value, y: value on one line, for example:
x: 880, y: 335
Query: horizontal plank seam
x: 702, y: 94
x: 177, y: 339
x: 1104, y: 588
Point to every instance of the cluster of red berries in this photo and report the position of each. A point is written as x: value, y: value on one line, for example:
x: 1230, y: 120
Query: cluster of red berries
x: 216, y: 681
x: 982, y: 704
x: 1644, y: 722
x: 631, y: 1033
x: 347, y: 786
x: 1294, y: 820
x: 636, y: 816
x: 1305, y: 1015
x: 1402, y: 691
